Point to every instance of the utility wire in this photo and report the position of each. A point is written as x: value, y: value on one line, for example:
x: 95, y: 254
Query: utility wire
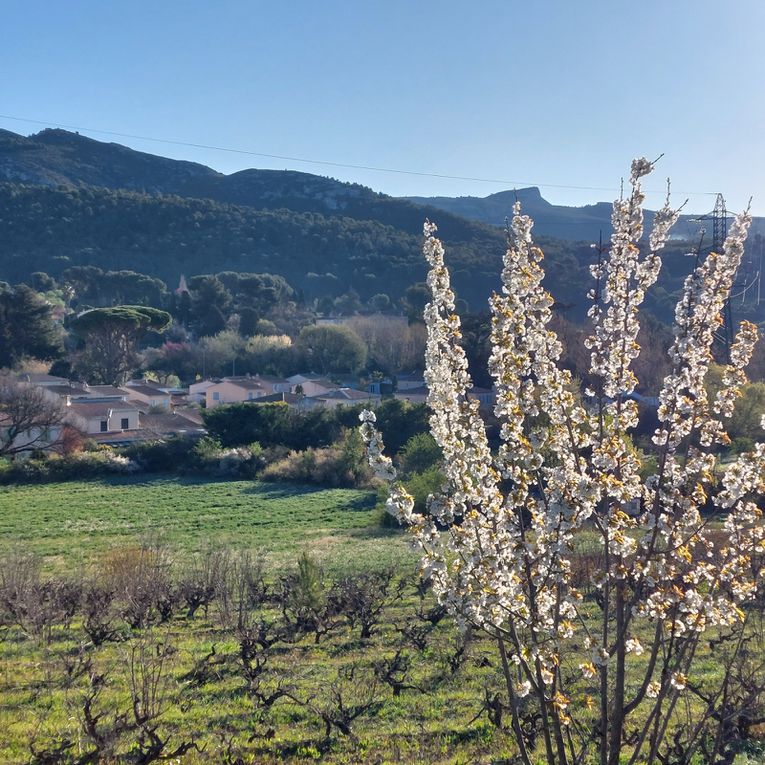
x: 328, y: 163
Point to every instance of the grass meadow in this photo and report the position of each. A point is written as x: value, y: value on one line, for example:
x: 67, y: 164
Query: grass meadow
x: 243, y: 683
x: 70, y: 523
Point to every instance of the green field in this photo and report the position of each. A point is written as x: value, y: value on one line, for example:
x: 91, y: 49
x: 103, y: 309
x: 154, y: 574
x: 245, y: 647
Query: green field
x: 72, y: 522
x: 88, y: 535
x: 78, y: 528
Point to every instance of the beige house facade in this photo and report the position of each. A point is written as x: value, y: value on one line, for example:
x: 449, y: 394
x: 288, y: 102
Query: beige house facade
x: 109, y: 417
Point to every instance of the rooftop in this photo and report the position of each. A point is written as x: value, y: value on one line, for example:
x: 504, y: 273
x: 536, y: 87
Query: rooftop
x: 105, y: 390
x: 347, y: 394
x: 247, y: 383
x: 166, y: 424
x: 146, y: 390
x: 99, y: 409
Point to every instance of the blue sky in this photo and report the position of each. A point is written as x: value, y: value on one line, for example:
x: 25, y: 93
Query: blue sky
x: 558, y: 93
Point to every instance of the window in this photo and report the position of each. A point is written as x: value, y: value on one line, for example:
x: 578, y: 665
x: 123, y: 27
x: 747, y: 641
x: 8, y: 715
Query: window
x: 124, y: 423
x: 216, y: 395
x: 104, y: 426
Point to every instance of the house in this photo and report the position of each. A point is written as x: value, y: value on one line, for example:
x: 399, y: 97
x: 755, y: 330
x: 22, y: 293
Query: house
x: 276, y: 384
x: 151, y: 397
x: 311, y: 385
x: 383, y: 387
x: 291, y: 399
x: 105, y: 393
x: 67, y: 391
x: 197, y: 390
x: 341, y: 397
x: 484, y: 396
x: 415, y: 395
x: 97, y: 417
x: 234, y: 392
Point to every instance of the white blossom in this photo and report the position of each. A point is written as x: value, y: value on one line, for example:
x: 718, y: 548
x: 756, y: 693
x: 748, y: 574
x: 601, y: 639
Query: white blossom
x: 498, y: 540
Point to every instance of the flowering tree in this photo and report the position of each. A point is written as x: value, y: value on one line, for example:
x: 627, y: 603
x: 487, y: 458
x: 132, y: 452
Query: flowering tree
x: 591, y: 679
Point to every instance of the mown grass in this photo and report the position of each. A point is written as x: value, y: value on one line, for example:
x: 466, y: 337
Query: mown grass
x: 70, y: 522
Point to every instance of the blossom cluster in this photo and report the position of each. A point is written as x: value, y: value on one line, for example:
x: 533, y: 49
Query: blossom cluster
x: 511, y: 515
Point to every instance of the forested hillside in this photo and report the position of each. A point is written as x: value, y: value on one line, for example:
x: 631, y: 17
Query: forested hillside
x: 72, y: 201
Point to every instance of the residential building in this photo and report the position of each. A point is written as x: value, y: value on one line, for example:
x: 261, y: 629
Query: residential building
x: 419, y: 395
x: 141, y: 393
x: 197, y: 390
x: 97, y: 417
x: 341, y: 397
x: 409, y: 381
x: 33, y: 439
x: 311, y: 385
x: 167, y: 425
x: 41, y: 380
x: 234, y: 392
x: 105, y: 392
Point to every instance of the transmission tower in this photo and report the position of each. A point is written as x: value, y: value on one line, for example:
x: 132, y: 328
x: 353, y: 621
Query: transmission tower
x: 719, y: 234
x: 746, y: 279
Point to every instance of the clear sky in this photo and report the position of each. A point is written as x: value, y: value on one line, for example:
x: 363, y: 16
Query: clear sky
x: 562, y: 93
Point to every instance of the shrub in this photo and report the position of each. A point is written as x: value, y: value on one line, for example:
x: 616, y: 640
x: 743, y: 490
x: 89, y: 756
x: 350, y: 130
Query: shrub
x: 165, y: 456
x: 341, y: 465
x: 56, y: 467
x: 419, y: 454
x: 420, y: 485
x: 271, y: 425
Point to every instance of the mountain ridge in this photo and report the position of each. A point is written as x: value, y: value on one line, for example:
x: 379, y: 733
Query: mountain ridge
x: 59, y: 157
x: 68, y: 200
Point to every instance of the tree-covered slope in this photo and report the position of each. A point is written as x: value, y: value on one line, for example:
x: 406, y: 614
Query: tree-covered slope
x: 50, y: 229
x: 58, y: 157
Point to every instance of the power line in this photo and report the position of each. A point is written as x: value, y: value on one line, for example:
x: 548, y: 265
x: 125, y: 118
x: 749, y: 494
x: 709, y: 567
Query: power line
x: 328, y: 163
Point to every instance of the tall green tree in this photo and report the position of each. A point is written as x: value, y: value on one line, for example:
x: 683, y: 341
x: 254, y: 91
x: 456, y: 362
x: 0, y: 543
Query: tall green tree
x: 331, y: 348
x: 26, y: 326
x: 111, y: 338
x: 211, y: 305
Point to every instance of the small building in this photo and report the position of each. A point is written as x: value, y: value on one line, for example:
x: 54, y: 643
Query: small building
x: 341, y: 397
x: 291, y: 399
x: 410, y: 381
x: 168, y: 424
x: 141, y: 393
x: 96, y: 417
x: 485, y: 396
x: 234, y: 392
x: 311, y: 385
x: 105, y: 393
x: 197, y: 390
x: 416, y: 395
x: 35, y: 438
x: 276, y: 384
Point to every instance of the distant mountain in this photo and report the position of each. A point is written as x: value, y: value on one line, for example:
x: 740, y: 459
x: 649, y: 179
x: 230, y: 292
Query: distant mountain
x: 340, y: 226
x: 60, y: 158
x: 584, y: 223
x: 572, y: 223
x: 68, y: 200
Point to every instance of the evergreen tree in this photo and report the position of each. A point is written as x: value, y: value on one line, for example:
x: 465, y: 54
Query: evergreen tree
x: 26, y: 326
